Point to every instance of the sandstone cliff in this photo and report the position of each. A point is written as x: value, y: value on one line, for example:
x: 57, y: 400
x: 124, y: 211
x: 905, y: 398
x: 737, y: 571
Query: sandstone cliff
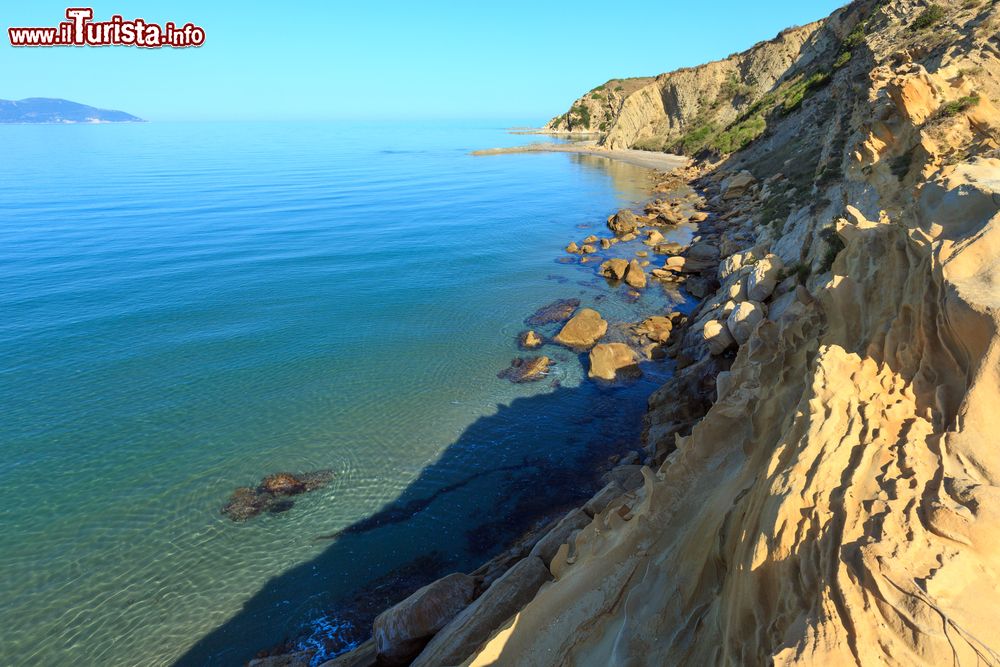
x: 839, y: 502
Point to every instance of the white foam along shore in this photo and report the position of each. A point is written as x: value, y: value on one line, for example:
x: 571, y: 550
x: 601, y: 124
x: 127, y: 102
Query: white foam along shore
x: 648, y: 159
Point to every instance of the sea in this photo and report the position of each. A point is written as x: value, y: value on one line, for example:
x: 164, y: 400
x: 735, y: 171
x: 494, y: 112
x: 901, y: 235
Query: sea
x: 186, y: 308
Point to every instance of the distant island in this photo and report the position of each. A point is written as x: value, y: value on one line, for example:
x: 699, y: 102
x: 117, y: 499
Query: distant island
x: 50, y: 110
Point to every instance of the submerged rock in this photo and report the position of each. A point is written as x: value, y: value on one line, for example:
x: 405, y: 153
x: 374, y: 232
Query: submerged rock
x: 272, y: 494
x: 609, y: 361
x: 526, y: 369
x: 557, y: 311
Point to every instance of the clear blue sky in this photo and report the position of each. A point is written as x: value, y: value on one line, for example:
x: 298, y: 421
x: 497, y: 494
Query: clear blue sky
x: 376, y: 59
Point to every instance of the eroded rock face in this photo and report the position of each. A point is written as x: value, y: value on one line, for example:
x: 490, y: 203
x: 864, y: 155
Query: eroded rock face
x: 583, y: 330
x: 526, y: 369
x: 763, y: 278
x: 557, y: 311
x: 613, y: 361
x: 272, y: 495
x: 402, y: 631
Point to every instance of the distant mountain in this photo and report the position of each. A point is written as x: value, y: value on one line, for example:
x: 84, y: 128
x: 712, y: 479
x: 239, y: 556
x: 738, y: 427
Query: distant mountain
x: 48, y: 110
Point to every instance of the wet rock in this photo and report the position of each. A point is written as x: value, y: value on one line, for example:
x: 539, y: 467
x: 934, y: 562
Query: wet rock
x: 642, y: 253
x: 606, y: 243
x: 669, y: 248
x: 364, y: 655
x: 655, y: 238
x: 609, y: 361
x: 402, y: 631
x: 699, y: 216
x: 656, y: 328
x: 297, y: 659
x: 529, y: 340
x: 623, y: 222
x: 588, y: 249
x: 614, y: 268
x: 629, y: 237
x: 557, y: 311
x: 573, y: 248
x: 590, y: 239
x: 583, y: 330
x: 526, y: 369
x: 635, y: 276
x: 272, y: 494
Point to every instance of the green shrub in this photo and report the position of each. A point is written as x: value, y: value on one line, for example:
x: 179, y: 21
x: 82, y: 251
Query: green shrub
x: 694, y: 140
x: 842, y: 60
x: 582, y: 116
x: 928, y: 18
x: 834, y: 244
x: 801, y: 89
x: 739, y: 135
x: 958, y: 106
x: 776, y: 209
x: 733, y: 87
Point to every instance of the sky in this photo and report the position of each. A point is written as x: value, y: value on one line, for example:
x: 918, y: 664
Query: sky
x: 334, y: 60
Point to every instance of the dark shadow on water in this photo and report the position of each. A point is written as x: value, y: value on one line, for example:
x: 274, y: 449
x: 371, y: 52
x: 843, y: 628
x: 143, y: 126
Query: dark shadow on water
x: 533, y: 459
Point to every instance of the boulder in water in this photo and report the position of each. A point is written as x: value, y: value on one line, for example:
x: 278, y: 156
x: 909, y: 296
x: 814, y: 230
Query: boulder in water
x: 272, y: 494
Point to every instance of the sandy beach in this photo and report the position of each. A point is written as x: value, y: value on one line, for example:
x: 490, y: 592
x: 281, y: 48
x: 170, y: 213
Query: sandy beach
x: 650, y: 160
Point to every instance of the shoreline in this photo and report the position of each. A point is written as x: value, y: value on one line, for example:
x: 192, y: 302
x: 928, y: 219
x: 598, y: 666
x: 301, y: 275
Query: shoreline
x: 622, y: 474
x: 658, y: 161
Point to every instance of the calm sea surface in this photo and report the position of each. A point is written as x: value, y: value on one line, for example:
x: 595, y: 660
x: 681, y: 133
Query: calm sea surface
x: 189, y: 307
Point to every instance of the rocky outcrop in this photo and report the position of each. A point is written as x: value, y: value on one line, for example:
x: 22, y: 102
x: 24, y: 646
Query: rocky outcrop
x: 623, y: 222
x: 529, y: 340
x: 402, y: 632
x: 557, y: 311
x: 526, y: 369
x: 273, y: 494
x: 473, y: 626
x: 584, y: 329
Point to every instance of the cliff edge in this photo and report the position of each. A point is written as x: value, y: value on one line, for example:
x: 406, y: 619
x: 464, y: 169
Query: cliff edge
x: 839, y: 502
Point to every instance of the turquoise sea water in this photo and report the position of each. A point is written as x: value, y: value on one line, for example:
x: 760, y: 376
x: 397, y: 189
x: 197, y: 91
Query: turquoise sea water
x: 189, y: 307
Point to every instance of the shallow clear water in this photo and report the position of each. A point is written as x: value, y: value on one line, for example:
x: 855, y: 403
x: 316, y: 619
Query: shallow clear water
x: 189, y: 307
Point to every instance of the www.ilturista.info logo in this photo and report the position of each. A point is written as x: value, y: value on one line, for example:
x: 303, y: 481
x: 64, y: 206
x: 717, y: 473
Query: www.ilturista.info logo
x: 80, y: 30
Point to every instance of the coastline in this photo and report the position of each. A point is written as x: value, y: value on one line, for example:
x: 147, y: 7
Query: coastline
x: 650, y: 160
x: 523, y: 566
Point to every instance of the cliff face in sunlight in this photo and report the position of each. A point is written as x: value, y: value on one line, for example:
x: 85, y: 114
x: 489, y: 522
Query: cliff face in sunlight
x: 839, y: 503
